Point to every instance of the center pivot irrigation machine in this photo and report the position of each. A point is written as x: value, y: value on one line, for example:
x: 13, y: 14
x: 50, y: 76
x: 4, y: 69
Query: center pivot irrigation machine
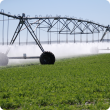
x: 58, y: 24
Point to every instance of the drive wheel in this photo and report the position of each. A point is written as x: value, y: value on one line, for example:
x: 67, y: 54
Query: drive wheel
x: 3, y: 59
x: 47, y: 58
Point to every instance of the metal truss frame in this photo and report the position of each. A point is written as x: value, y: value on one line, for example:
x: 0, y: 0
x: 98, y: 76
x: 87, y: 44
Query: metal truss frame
x: 67, y: 26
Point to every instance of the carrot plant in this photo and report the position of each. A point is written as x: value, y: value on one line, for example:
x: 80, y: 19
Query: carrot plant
x: 70, y: 84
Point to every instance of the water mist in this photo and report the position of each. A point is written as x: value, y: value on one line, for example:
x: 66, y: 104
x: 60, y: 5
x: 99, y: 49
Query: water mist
x: 63, y: 50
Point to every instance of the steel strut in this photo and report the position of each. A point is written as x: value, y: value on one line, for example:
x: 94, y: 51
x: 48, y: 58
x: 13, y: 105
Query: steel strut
x: 20, y: 25
x: 108, y: 29
x: 28, y: 26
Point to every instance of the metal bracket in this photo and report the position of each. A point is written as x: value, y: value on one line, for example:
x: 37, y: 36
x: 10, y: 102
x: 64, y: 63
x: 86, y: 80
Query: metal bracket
x: 108, y: 29
x: 21, y: 22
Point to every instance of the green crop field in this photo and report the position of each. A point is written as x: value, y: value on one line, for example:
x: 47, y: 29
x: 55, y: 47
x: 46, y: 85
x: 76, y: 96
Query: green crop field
x: 81, y: 83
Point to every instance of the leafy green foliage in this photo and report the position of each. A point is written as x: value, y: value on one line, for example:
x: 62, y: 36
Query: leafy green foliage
x: 76, y: 83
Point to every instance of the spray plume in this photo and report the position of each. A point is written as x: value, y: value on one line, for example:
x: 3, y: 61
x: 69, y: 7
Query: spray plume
x: 1, y: 1
x: 64, y: 50
x: 108, y: 1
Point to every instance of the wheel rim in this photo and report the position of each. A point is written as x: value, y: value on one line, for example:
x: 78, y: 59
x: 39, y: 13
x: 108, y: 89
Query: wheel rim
x: 46, y: 59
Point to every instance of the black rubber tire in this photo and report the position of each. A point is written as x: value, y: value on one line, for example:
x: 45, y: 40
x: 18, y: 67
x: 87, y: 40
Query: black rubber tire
x: 47, y: 58
x: 3, y: 59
